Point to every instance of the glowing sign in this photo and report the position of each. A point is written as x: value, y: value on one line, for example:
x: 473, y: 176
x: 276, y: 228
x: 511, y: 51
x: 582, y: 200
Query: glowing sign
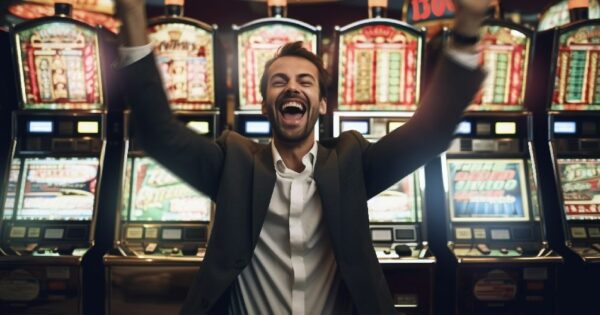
x: 185, y: 59
x: 577, y: 78
x: 487, y: 190
x: 380, y: 69
x: 255, y: 47
x: 59, y: 67
x: 420, y: 11
x: 580, y: 187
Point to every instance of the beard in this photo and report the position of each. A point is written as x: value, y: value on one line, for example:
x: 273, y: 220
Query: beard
x: 283, y: 135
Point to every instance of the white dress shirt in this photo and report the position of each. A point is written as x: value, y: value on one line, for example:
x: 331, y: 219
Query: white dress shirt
x: 293, y: 270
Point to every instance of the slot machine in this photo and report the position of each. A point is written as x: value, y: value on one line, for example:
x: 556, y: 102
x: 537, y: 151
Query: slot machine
x: 255, y: 43
x: 571, y: 111
x: 495, y: 222
x: 51, y: 196
x: 7, y: 96
x: 163, y: 223
x: 379, y: 79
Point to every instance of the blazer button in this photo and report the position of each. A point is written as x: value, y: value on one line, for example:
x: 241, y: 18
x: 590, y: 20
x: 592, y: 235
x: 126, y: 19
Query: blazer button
x: 239, y: 263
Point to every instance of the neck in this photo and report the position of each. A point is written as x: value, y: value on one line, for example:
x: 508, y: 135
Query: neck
x: 292, y: 152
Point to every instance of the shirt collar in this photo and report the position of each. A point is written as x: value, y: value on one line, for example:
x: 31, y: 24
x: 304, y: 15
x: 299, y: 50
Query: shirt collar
x: 308, y: 160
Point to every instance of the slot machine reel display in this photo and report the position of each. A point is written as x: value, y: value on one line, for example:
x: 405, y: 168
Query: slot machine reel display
x: 51, y: 196
x: 495, y: 224
x: 255, y: 43
x: 574, y: 121
x: 378, y: 88
x: 163, y: 223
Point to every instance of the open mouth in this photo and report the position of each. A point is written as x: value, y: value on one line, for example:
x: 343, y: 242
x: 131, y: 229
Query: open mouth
x: 292, y: 110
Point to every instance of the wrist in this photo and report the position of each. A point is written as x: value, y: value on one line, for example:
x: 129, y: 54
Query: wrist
x: 133, y: 28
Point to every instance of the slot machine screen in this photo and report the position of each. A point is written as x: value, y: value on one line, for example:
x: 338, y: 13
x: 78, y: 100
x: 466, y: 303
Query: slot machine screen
x: 577, y: 77
x: 380, y: 69
x: 184, y: 54
x: 155, y: 194
x: 57, y: 189
x: 255, y: 47
x: 505, y: 56
x: 399, y: 203
x: 487, y: 190
x: 11, y: 189
x: 59, y: 67
x: 580, y: 186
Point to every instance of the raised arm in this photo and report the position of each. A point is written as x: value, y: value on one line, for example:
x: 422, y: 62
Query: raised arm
x: 430, y: 130
x: 193, y: 157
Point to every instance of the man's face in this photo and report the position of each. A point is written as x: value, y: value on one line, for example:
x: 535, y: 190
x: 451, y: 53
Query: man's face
x: 292, y: 100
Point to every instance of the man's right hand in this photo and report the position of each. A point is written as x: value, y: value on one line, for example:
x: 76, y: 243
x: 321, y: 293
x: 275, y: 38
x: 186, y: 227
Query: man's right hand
x: 133, y: 16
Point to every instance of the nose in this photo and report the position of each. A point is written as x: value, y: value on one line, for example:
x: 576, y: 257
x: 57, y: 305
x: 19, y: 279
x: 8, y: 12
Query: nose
x: 292, y: 89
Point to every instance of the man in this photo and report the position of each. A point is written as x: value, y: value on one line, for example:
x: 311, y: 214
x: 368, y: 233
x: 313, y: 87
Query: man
x: 291, y: 230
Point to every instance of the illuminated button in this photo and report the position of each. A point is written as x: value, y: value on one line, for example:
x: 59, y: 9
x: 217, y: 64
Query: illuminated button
x: 506, y: 128
x: 87, y: 127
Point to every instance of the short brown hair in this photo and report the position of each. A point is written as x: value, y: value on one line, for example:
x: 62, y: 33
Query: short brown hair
x: 297, y: 50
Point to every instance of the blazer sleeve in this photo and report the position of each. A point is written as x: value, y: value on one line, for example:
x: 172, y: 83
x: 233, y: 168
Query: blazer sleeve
x: 194, y: 158
x: 427, y: 133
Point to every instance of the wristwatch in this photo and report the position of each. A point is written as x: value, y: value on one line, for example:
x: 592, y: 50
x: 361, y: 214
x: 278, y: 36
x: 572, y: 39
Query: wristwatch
x: 461, y: 39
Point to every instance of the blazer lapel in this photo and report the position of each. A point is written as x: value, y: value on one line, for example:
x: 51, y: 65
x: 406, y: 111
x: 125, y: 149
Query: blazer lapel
x: 328, y: 184
x: 262, y: 188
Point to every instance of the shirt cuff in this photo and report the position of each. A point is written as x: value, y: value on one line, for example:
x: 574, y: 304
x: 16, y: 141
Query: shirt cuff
x: 129, y: 55
x: 469, y: 60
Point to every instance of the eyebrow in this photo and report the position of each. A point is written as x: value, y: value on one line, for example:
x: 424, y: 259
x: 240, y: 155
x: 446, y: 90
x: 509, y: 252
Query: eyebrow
x: 285, y: 77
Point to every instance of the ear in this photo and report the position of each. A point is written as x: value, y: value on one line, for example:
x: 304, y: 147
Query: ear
x: 323, y: 106
x: 263, y: 107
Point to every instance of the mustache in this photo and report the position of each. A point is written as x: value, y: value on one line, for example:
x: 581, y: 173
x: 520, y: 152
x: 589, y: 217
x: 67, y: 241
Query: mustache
x: 289, y: 94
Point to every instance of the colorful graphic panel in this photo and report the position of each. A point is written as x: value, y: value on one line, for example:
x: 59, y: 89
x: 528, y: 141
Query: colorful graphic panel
x: 399, y: 203
x: 577, y: 79
x: 558, y: 14
x: 380, y: 69
x: 580, y: 183
x: 58, y: 189
x: 59, y: 67
x: 505, y: 56
x: 11, y: 189
x: 157, y: 195
x: 185, y: 59
x: 255, y: 48
x: 487, y: 190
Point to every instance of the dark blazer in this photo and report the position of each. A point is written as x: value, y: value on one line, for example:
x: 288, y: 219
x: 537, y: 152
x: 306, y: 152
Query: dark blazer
x: 238, y: 174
